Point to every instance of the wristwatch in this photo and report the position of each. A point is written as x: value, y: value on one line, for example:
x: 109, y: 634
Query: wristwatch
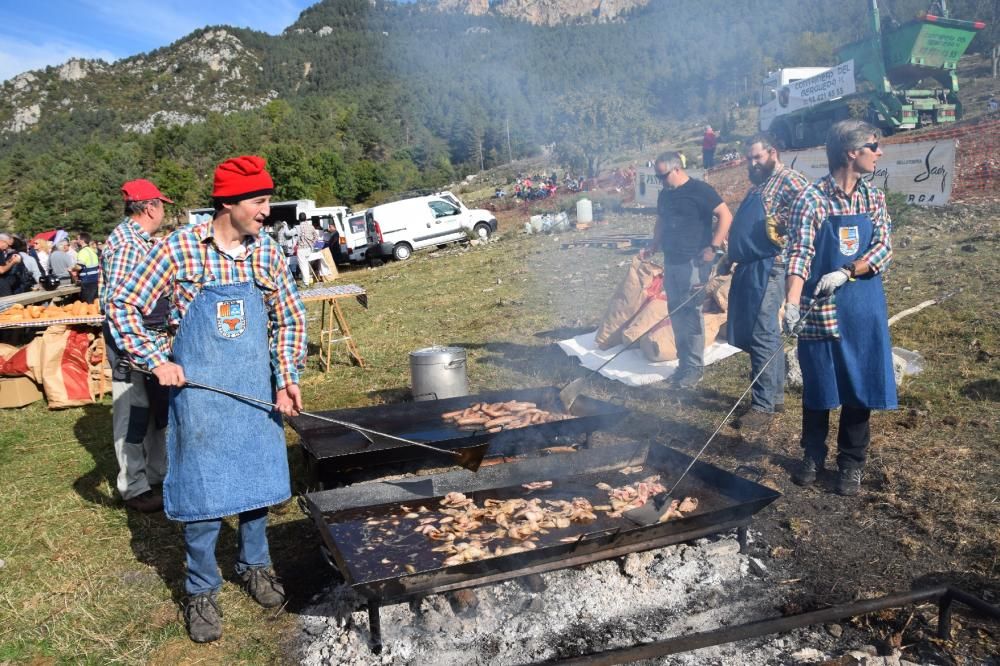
x: 851, y: 270
x: 717, y: 248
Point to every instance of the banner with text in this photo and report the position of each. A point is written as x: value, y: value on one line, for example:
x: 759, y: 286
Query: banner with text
x: 924, y: 171
x: 831, y: 84
x: 647, y: 187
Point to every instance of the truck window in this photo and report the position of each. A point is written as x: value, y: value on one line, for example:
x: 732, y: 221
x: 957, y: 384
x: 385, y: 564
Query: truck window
x: 357, y: 224
x: 442, y: 209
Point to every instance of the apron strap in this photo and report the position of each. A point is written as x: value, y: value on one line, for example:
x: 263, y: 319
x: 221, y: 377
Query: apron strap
x: 203, y: 255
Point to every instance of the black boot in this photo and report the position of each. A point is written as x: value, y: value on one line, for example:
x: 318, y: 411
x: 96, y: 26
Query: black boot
x: 807, y: 471
x: 849, y: 481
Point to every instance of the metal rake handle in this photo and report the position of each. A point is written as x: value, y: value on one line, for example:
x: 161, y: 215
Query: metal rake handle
x: 725, y: 419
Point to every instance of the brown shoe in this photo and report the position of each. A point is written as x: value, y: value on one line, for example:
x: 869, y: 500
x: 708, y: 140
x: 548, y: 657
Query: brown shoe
x: 263, y: 586
x: 148, y: 502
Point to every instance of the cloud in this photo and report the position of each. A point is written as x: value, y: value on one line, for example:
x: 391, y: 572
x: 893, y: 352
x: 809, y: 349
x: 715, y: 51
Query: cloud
x: 18, y: 55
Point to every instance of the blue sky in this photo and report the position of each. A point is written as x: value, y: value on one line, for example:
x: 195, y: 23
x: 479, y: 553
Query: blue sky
x: 36, y: 33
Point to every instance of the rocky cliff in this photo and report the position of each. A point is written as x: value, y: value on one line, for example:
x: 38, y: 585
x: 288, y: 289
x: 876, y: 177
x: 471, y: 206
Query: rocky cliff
x: 214, y: 70
x: 546, y: 12
x: 209, y: 71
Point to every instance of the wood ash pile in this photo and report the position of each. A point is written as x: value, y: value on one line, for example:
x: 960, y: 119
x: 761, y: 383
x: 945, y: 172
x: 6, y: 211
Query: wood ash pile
x: 654, y: 595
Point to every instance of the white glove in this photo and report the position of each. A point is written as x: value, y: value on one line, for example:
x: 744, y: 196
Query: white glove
x: 792, y: 317
x: 830, y: 282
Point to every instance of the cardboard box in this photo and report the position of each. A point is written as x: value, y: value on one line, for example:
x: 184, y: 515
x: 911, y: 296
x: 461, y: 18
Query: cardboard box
x: 18, y: 392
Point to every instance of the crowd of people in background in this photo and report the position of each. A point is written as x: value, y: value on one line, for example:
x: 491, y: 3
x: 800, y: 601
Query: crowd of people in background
x: 66, y: 261
x: 531, y: 188
x: 24, y: 263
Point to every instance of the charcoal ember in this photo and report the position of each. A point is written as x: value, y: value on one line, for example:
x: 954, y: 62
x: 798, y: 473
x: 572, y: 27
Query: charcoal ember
x: 636, y: 565
x: 723, y: 548
x: 463, y: 600
x: 435, y: 612
x: 757, y: 567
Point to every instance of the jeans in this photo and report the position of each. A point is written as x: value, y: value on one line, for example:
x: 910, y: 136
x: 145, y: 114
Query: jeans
x: 708, y: 157
x: 200, y: 538
x: 769, y: 390
x: 687, y: 322
x: 852, y: 438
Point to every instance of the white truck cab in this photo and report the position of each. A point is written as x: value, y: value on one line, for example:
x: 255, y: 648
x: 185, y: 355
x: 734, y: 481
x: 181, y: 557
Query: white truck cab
x: 399, y: 228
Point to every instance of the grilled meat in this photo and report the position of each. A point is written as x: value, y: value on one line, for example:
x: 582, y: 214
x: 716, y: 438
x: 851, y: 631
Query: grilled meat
x: 501, y: 416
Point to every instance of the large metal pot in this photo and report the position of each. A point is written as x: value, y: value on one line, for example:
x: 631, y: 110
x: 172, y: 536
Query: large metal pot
x: 438, y: 372
x: 49, y: 282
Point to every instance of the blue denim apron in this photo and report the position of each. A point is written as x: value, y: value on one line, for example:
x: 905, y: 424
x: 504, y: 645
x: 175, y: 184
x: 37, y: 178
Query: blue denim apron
x: 224, y: 456
x: 754, y: 253
x: 854, y: 370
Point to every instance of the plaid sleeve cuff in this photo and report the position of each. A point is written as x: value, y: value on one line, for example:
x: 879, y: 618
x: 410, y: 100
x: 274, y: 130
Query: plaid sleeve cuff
x: 286, y: 378
x: 156, y: 359
x: 797, y: 266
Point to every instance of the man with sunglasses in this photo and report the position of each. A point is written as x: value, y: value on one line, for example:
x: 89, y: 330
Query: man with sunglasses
x: 684, y: 232
x: 839, y: 248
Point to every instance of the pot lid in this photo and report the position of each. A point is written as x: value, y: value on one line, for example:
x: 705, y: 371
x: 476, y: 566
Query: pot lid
x: 436, y: 354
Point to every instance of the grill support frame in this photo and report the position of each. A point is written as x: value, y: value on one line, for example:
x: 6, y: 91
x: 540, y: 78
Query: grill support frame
x: 374, y: 604
x: 945, y: 596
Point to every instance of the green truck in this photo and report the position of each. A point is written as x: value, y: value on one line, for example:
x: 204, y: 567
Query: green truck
x: 897, y: 79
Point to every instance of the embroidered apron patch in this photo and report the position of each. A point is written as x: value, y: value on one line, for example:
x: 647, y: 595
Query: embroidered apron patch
x: 848, y: 241
x: 230, y: 318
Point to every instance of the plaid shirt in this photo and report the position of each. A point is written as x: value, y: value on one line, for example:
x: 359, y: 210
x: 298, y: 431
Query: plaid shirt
x: 810, y: 210
x: 182, y: 263
x: 778, y: 193
x: 121, y: 256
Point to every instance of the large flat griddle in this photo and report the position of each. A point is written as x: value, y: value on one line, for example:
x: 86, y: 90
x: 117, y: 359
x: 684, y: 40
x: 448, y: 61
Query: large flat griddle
x: 331, y: 449
x: 373, y: 560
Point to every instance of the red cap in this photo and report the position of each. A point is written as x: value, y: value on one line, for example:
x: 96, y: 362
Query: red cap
x: 242, y: 178
x: 142, y: 190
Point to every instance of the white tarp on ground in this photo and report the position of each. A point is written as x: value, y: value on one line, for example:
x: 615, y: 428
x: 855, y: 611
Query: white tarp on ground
x: 923, y: 171
x: 632, y: 368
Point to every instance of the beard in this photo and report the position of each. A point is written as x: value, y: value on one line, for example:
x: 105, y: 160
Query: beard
x: 760, y: 173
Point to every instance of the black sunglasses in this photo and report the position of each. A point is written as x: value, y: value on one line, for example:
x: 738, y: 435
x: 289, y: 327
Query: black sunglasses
x: 873, y: 146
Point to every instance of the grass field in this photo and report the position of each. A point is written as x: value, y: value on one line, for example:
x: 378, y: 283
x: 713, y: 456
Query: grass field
x: 86, y: 581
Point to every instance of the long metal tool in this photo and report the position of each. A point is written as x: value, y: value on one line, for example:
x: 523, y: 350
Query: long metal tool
x: 569, y: 393
x: 652, y: 511
x: 470, y: 458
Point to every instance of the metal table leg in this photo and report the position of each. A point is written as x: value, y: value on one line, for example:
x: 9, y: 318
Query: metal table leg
x: 741, y: 538
x: 375, y: 626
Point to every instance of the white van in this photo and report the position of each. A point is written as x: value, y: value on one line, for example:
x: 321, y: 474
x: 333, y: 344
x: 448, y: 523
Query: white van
x: 353, y: 246
x: 397, y: 229
x: 332, y: 219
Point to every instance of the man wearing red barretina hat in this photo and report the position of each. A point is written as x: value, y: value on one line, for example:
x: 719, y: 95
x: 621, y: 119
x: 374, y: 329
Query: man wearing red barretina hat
x: 237, y: 324
x: 139, y: 409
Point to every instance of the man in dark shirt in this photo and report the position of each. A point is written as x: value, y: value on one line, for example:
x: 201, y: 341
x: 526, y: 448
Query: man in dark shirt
x: 684, y: 233
x: 10, y: 266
